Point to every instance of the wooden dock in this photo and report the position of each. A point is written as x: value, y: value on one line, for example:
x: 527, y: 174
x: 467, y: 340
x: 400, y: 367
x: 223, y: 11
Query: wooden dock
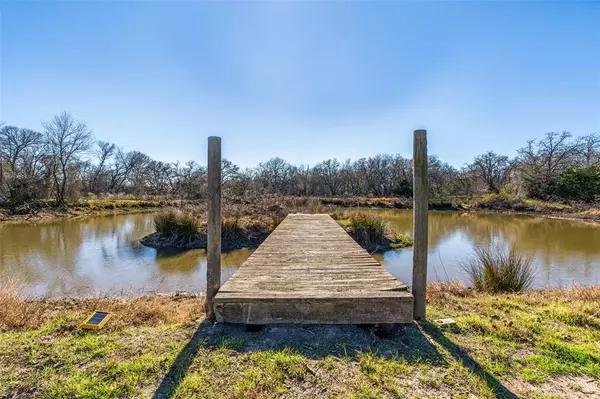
x: 310, y: 271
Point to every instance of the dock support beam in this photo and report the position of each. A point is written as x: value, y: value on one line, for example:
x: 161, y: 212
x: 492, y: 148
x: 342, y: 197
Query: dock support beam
x: 420, y: 208
x: 213, y: 248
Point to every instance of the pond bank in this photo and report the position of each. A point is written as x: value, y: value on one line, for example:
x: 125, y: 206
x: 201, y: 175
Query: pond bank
x: 542, y: 343
x: 43, y: 212
x: 492, y: 203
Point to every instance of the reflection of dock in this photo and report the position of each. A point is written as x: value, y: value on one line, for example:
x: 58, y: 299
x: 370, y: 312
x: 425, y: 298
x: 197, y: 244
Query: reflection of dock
x: 309, y: 270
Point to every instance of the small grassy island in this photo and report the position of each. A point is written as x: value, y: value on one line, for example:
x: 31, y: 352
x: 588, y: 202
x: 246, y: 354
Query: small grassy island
x: 371, y: 232
x: 186, y: 229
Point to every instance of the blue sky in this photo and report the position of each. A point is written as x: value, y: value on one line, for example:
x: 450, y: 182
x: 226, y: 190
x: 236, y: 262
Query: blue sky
x: 304, y: 81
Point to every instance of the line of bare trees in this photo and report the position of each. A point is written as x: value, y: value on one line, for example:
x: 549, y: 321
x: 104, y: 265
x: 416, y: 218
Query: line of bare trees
x: 64, y: 162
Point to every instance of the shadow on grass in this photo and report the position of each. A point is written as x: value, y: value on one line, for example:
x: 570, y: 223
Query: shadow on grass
x: 460, y: 355
x: 180, y: 366
x: 411, y: 344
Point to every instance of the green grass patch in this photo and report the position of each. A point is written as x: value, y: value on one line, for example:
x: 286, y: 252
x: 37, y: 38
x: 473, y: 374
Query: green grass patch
x: 533, y: 338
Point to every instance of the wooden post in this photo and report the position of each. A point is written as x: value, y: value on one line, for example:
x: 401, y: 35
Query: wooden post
x: 420, y: 208
x: 213, y: 248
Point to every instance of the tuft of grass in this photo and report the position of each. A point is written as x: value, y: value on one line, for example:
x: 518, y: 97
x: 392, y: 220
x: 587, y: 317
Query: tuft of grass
x: 175, y: 223
x: 240, y: 228
x: 371, y: 231
x: 185, y: 230
x: 368, y: 228
x: 401, y: 241
x: 493, y: 269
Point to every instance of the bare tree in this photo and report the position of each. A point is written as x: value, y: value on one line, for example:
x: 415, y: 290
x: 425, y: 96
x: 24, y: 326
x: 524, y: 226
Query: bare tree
x: 441, y: 177
x: 104, y: 152
x: 66, y: 139
x: 19, y: 150
x: 14, y: 141
x: 492, y: 169
x: 160, y: 175
x: 275, y: 175
x: 588, y: 148
x: 542, y: 161
x: 229, y: 170
x: 243, y: 184
x: 349, y: 177
x: 303, y: 180
x: 138, y: 165
x: 329, y: 173
x: 191, y: 180
x: 33, y: 165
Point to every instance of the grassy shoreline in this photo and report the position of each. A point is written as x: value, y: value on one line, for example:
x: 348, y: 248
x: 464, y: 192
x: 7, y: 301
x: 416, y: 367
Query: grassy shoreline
x: 492, y: 203
x: 44, y: 212
x: 543, y: 343
x: 487, y: 203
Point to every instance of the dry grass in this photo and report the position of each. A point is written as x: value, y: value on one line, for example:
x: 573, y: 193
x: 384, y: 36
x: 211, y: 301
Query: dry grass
x: 442, y: 291
x: 176, y: 223
x: 369, y: 202
x: 533, y: 343
x: 148, y: 310
x: 507, y: 203
x: 238, y: 228
x: 18, y: 312
x: 575, y: 293
x: 186, y: 229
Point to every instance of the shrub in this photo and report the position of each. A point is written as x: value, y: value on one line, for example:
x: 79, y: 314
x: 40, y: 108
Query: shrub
x: 580, y: 184
x: 401, y: 241
x: 492, y: 269
x: 174, y: 223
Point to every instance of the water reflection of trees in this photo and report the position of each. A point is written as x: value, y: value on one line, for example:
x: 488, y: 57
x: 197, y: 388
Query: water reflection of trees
x: 559, y: 239
x: 570, y: 243
x: 60, y: 256
x: 177, y: 261
x: 42, y: 254
x: 55, y: 255
x: 74, y: 256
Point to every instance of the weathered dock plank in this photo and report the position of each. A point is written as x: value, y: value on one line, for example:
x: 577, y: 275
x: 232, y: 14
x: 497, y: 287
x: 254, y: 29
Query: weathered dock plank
x: 309, y: 270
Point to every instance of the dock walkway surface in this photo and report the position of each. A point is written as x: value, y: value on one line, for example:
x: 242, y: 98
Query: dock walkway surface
x: 310, y: 271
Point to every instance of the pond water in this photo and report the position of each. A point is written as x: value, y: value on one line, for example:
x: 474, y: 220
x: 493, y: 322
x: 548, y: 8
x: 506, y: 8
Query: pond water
x: 102, y: 255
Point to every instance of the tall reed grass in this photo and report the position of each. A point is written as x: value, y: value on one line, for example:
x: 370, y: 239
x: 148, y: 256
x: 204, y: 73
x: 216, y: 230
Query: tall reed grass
x: 16, y: 311
x: 493, y: 269
x: 176, y: 223
x: 371, y: 231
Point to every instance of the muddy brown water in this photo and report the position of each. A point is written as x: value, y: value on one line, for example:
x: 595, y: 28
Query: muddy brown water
x: 102, y: 255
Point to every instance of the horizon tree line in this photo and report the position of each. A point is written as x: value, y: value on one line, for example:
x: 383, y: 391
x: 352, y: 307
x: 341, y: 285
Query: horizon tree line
x: 65, y: 162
